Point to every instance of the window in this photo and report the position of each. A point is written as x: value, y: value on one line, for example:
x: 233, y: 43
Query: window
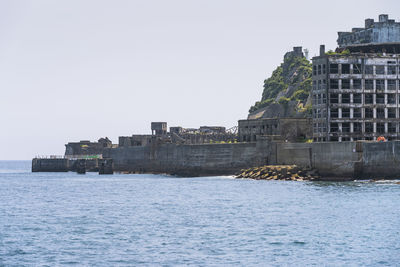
x: 369, y: 84
x: 357, y: 69
x: 369, y: 69
x: 323, y: 69
x: 323, y: 98
x: 380, y: 98
x: 345, y: 84
x: 391, y: 84
x: 346, y: 127
x: 334, y: 84
x: 369, y: 113
x: 391, y: 113
x: 380, y: 84
x: 357, y: 127
x: 345, y: 113
x: 369, y: 98
x: 334, y: 127
x: 314, y: 85
x: 334, y: 98
x: 334, y: 113
x: 334, y: 138
x: 391, y: 98
x: 357, y: 98
x: 357, y: 113
x: 345, y: 98
x: 369, y: 127
x: 345, y: 68
x: 392, y: 127
x: 380, y: 69
x: 356, y: 84
x: 391, y: 70
x: 380, y: 113
x: 380, y: 128
x: 314, y: 70
x: 319, y: 69
x: 334, y: 68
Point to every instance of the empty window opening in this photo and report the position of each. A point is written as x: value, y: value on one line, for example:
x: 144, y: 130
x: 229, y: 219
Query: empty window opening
x: 334, y: 68
x: 345, y: 84
x: 380, y: 70
x: 369, y: 84
x: 369, y: 113
x: 345, y: 68
x: 345, y: 98
x: 356, y: 84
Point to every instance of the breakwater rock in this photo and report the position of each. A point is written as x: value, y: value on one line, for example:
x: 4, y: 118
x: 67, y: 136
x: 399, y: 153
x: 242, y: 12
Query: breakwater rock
x: 280, y: 172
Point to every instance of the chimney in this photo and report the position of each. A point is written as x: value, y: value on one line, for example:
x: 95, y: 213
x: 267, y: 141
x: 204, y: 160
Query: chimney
x: 369, y: 23
x: 383, y: 18
x: 321, y: 50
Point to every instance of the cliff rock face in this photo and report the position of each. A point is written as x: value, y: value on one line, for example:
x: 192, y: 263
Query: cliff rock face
x: 287, y: 92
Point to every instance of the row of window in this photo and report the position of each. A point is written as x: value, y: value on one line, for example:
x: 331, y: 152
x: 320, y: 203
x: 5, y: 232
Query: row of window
x: 357, y: 127
x: 358, y: 113
x: 367, y: 98
x: 390, y: 69
x: 367, y: 84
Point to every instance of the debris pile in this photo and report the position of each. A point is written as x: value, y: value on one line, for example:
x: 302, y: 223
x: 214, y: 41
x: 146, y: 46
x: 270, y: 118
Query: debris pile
x: 279, y: 172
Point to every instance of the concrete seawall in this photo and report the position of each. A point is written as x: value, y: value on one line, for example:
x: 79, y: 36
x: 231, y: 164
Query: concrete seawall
x: 192, y: 160
x: 345, y: 160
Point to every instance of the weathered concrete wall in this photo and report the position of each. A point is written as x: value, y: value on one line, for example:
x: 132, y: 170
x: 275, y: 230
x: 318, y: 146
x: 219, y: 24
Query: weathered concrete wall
x: 294, y: 154
x: 381, y: 159
x: 62, y: 165
x: 333, y: 159
x: 50, y: 165
x: 343, y: 160
x: 192, y: 160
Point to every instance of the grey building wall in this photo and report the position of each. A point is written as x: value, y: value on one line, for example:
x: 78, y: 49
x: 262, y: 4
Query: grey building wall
x: 192, y: 160
x: 355, y: 97
x: 384, y: 31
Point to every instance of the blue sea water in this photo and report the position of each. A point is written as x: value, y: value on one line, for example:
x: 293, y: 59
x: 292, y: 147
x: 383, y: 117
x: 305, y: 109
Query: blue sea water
x: 54, y: 219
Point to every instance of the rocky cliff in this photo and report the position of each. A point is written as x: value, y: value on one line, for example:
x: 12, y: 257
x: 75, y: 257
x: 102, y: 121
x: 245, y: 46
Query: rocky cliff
x: 287, y: 92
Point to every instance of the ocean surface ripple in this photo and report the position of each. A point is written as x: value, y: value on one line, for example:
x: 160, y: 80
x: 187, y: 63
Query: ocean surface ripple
x: 52, y: 219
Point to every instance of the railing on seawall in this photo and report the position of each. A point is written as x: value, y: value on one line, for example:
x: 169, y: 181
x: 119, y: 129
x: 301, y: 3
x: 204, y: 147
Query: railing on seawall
x: 70, y: 157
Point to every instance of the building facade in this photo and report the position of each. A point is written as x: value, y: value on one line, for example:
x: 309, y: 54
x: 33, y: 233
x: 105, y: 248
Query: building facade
x: 284, y: 129
x: 355, y: 96
x: 384, y: 31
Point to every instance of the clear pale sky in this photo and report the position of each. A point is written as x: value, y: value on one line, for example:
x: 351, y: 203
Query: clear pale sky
x: 75, y: 70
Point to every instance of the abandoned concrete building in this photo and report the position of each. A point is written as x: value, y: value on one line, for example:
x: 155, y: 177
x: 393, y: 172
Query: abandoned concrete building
x: 384, y: 31
x: 179, y: 135
x: 283, y: 129
x: 356, y: 95
x: 85, y: 147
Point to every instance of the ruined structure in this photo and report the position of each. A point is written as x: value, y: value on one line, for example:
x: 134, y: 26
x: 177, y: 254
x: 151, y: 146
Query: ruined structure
x: 87, y: 148
x: 178, y: 135
x: 283, y: 129
x: 384, y: 31
x: 356, y: 92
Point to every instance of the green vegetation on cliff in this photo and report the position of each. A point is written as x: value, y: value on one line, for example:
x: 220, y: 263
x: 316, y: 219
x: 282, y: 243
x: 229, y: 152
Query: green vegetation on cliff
x: 291, y: 81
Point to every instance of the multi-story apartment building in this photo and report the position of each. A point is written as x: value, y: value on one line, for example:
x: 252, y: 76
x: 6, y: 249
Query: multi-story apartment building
x: 355, y: 97
x: 355, y: 94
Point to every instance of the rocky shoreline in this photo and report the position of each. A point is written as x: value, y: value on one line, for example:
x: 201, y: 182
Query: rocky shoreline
x: 280, y: 172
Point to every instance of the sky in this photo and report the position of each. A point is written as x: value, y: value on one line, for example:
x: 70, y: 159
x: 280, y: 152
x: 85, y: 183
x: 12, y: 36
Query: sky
x: 74, y: 70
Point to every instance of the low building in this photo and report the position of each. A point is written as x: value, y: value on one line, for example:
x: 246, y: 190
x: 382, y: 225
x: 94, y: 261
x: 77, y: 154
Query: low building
x: 285, y: 129
x: 159, y: 128
x: 87, y: 148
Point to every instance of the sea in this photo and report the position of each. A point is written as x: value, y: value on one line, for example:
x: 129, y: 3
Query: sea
x: 69, y: 219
